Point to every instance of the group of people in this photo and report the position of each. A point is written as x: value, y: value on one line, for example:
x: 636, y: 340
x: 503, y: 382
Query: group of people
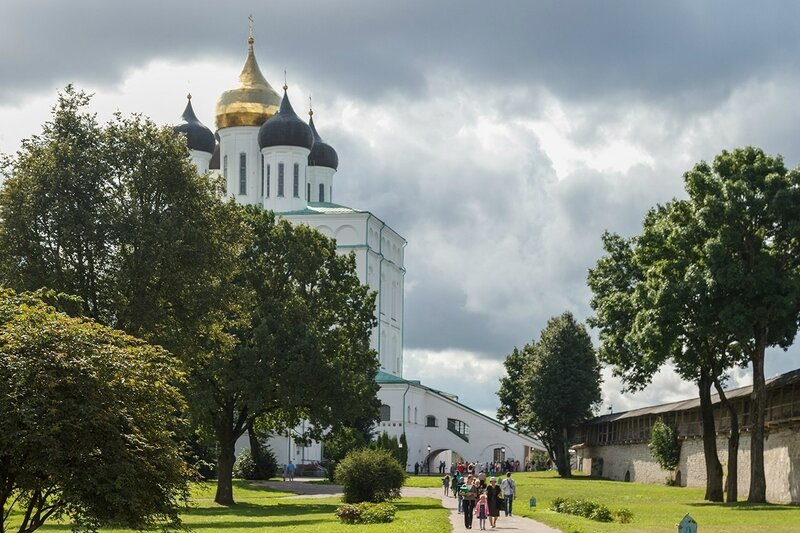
x: 477, y: 498
x: 497, y: 467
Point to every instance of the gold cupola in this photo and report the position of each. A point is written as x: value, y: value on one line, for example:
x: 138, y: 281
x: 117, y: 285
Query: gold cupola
x: 253, y: 102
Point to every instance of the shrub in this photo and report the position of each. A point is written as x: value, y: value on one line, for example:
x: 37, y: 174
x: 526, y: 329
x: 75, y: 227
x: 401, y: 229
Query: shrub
x: 370, y: 476
x: 623, y: 516
x: 664, y: 445
x: 366, y: 513
x: 246, y: 468
x: 590, y: 509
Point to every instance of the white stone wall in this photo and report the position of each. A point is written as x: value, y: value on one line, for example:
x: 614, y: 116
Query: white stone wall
x: 233, y: 142
x: 781, y: 462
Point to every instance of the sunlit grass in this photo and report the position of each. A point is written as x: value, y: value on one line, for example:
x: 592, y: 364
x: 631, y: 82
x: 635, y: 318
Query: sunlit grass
x: 260, y: 509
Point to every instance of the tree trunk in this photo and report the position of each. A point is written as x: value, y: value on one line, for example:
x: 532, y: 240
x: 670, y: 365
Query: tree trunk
x: 229, y: 427
x: 713, y: 466
x: 733, y: 446
x: 562, y: 454
x: 225, y: 461
x: 758, y: 481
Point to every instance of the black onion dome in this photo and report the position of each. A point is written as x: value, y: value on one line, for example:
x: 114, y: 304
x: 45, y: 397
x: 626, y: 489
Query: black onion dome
x: 285, y: 128
x: 322, y: 154
x: 198, y: 137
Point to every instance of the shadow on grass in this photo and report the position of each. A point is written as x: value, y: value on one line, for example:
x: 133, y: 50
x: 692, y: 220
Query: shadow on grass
x: 253, y: 509
x: 745, y: 506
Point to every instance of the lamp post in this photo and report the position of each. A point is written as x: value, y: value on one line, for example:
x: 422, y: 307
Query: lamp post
x: 428, y: 461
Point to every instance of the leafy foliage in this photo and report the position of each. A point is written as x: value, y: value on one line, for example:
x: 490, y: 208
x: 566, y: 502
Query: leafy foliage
x: 370, y: 476
x: 89, y: 421
x: 246, y: 468
x: 709, y: 284
x: 664, y: 445
x: 391, y: 444
x: 366, y: 513
x: 552, y: 386
x: 306, y: 334
x: 590, y: 509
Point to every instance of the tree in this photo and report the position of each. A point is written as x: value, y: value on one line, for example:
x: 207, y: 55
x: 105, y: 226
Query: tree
x: 302, y: 353
x: 552, y: 386
x: 89, y: 422
x: 118, y: 216
x: 664, y: 446
x: 748, y: 202
x: 653, y: 304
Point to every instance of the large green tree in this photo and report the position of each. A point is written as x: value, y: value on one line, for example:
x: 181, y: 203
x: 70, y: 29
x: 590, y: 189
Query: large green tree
x: 654, y: 304
x: 118, y: 216
x: 748, y: 202
x: 303, y: 353
x: 89, y: 420
x: 552, y: 386
x: 711, y: 282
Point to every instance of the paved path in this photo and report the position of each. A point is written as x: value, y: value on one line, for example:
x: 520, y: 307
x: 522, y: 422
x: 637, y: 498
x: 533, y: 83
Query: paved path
x: 504, y: 523
x: 303, y: 489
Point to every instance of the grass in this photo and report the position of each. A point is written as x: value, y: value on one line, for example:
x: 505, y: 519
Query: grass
x: 656, y: 508
x: 262, y: 509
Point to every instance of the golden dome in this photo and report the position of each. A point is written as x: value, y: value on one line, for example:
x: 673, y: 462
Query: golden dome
x: 253, y: 102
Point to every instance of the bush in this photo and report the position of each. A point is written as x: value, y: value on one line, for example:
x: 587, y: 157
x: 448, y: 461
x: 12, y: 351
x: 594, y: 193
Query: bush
x: 623, y: 516
x: 370, y: 476
x: 590, y: 509
x: 246, y: 468
x: 366, y: 513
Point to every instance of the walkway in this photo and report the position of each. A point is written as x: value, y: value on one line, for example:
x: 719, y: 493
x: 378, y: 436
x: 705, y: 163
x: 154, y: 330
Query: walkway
x: 303, y: 489
x: 504, y: 523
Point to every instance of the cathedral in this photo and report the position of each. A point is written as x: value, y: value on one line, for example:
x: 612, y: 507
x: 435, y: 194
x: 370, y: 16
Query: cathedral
x: 269, y: 156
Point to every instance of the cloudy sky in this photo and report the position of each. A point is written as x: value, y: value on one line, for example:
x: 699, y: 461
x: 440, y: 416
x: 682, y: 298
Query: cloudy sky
x: 500, y: 138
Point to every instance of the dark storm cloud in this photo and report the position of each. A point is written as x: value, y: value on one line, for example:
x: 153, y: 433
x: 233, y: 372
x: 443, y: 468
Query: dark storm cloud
x: 687, y: 52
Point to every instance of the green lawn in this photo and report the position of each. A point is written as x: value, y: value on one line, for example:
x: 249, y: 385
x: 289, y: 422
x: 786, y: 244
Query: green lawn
x: 655, y: 508
x: 262, y: 509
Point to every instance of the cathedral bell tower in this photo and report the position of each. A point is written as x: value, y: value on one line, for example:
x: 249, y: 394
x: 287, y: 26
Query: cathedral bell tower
x: 240, y: 114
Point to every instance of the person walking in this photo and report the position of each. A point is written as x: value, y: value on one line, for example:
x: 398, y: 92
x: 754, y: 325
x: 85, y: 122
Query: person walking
x: 469, y: 492
x: 290, y: 471
x: 493, y: 500
x: 446, y: 484
x: 509, y: 491
x: 482, y: 511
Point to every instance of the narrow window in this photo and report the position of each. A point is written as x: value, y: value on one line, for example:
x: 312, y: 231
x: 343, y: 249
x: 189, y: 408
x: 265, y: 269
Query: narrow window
x: 225, y: 166
x: 242, y: 173
x: 308, y: 192
x: 280, y: 179
x: 321, y: 192
x: 296, y: 190
x: 262, y: 175
x: 386, y: 413
x: 269, y: 168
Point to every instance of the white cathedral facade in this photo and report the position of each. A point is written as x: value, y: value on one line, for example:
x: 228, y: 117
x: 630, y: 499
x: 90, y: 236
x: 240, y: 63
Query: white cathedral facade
x: 269, y: 156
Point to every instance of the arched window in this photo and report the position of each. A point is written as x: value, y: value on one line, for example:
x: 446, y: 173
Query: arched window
x: 459, y: 428
x: 415, y: 415
x: 409, y: 414
x: 280, y: 179
x: 262, y: 175
x: 269, y: 168
x: 242, y: 173
x: 225, y: 166
x: 386, y: 413
x: 321, y: 192
x: 308, y: 192
x: 430, y: 421
x: 296, y: 189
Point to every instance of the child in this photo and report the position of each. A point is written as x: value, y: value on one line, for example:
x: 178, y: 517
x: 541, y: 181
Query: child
x: 482, y: 511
